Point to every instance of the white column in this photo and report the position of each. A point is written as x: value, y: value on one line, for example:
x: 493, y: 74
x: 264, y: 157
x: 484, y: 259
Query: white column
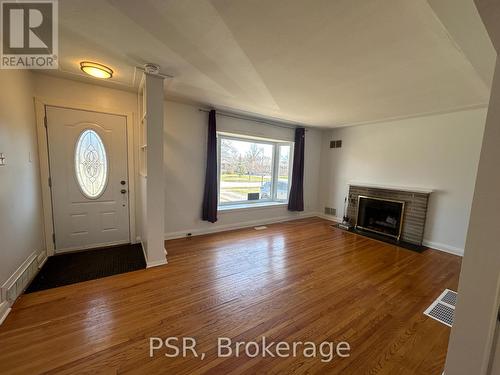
x: 155, y: 186
x: 471, y: 342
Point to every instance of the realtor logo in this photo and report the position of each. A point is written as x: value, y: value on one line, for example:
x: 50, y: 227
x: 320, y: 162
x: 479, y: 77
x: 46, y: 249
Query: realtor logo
x: 29, y: 34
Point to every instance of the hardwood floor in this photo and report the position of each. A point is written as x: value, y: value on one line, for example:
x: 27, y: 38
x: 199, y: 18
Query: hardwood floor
x: 296, y: 281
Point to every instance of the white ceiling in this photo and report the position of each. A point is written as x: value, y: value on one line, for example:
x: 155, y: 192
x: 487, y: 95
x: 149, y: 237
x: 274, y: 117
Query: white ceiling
x: 319, y: 62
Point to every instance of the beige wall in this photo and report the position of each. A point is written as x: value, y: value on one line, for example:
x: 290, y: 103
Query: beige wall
x: 85, y: 94
x: 438, y: 152
x: 185, y: 152
x: 471, y: 342
x: 21, y: 228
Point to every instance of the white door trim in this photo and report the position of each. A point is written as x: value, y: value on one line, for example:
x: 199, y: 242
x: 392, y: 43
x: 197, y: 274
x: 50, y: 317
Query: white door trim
x: 43, y: 155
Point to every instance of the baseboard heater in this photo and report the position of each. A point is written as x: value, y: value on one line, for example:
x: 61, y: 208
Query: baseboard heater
x: 20, y: 280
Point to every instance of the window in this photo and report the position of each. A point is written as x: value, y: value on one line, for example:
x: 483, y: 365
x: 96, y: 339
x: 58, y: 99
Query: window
x: 253, y: 170
x: 91, y: 164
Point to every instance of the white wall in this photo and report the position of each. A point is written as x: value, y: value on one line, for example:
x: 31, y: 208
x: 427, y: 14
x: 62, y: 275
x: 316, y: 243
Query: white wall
x: 86, y: 94
x: 185, y: 153
x: 21, y: 227
x: 185, y: 145
x: 440, y: 152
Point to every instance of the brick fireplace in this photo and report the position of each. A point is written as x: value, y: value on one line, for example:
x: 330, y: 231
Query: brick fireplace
x: 414, y: 202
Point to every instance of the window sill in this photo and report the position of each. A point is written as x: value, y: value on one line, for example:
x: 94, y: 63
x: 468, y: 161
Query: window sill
x: 249, y: 206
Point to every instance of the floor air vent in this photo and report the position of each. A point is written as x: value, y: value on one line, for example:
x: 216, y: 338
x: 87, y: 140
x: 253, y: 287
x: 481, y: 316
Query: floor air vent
x: 443, y: 308
x: 262, y: 227
x: 450, y: 297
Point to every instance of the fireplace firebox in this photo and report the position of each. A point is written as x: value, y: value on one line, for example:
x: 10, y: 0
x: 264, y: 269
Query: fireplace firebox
x: 383, y: 216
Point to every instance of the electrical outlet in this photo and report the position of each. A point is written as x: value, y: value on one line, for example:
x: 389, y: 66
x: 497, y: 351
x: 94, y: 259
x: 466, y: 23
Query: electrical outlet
x: 2, y: 159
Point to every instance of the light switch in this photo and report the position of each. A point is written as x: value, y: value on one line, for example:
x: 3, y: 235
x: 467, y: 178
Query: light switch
x: 2, y: 159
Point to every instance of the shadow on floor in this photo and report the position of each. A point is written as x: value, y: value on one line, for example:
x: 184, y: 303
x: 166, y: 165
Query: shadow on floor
x: 71, y: 268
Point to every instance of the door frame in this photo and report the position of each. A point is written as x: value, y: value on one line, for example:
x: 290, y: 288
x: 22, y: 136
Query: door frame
x: 43, y: 155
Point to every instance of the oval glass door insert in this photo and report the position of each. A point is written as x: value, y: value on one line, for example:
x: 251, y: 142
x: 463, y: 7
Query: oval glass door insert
x: 91, y: 164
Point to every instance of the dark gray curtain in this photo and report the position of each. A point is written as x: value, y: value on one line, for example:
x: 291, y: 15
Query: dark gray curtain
x: 296, y: 199
x: 210, y: 194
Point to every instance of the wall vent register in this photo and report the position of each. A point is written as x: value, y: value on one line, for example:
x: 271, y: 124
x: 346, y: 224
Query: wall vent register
x: 330, y: 211
x: 336, y: 144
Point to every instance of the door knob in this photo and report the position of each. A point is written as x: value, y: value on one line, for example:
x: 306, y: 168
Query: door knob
x: 122, y: 182
x: 123, y: 191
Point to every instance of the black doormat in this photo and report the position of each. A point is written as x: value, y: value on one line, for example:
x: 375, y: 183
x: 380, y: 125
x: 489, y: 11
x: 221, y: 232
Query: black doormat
x: 70, y: 268
x: 392, y: 241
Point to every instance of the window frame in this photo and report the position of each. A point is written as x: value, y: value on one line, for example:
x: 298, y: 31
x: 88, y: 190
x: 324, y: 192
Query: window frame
x: 272, y: 201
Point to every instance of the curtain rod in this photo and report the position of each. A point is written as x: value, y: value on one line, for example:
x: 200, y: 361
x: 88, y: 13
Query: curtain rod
x: 254, y: 119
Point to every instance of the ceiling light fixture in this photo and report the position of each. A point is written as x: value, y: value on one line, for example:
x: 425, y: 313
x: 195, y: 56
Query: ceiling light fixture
x: 96, y: 70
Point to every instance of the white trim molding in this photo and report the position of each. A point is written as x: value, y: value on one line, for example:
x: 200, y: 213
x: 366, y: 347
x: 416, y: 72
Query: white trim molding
x: 335, y: 219
x: 19, y: 281
x: 41, y: 259
x: 241, y: 225
x: 392, y: 187
x: 443, y: 247
x: 157, y: 263
x: 16, y: 276
x: 4, y: 311
x: 249, y: 206
x: 430, y: 244
x: 247, y: 224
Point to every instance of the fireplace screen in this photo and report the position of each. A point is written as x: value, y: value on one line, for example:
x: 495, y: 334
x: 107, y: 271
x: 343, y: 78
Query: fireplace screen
x: 380, y: 215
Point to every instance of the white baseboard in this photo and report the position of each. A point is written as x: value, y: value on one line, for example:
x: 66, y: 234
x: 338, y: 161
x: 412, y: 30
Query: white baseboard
x: 156, y: 263
x: 443, y: 247
x: 19, y: 281
x: 4, y: 311
x: 241, y: 225
x: 144, y: 252
x: 41, y: 259
x: 331, y: 218
x: 12, y: 288
x: 431, y: 244
x: 223, y: 228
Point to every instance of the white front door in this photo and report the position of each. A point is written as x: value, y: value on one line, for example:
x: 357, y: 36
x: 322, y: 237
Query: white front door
x: 88, y: 169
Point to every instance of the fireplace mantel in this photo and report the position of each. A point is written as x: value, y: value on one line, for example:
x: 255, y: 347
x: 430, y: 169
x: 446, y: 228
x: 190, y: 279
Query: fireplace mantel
x: 391, y: 187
